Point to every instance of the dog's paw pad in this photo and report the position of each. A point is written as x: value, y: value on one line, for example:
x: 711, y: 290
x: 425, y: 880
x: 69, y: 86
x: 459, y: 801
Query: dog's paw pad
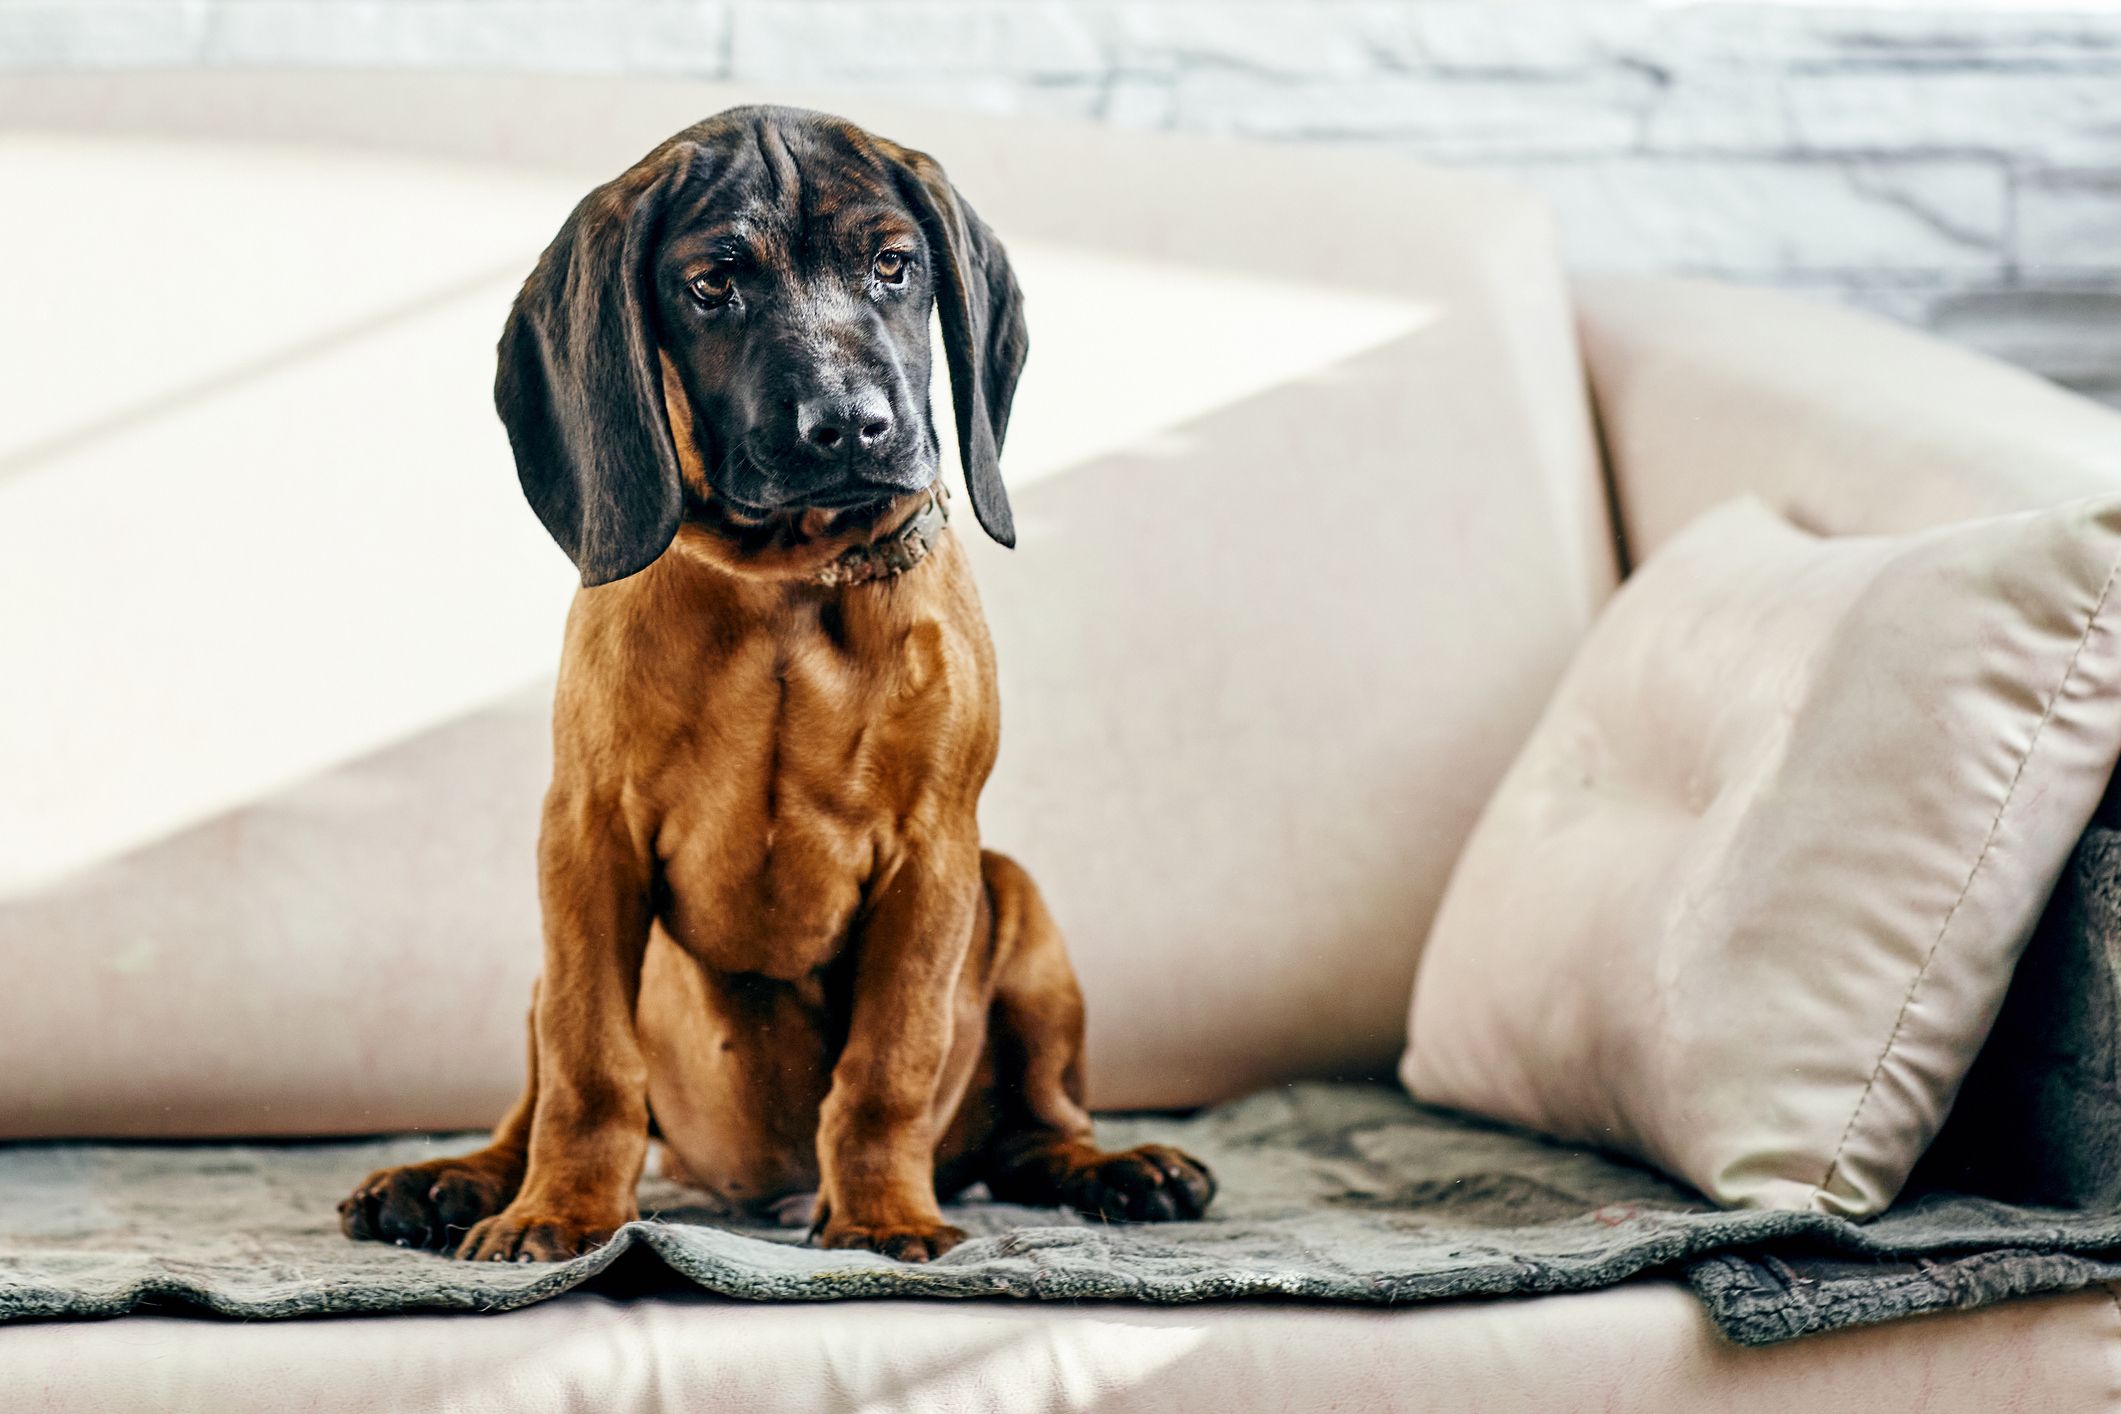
x: 901, y: 1242
x: 512, y: 1236
x: 1152, y: 1183
x: 428, y: 1205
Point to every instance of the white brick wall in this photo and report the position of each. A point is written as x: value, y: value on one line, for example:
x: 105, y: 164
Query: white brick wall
x: 1957, y: 165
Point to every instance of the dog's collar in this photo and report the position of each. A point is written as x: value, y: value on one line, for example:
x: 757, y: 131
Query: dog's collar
x: 897, y: 552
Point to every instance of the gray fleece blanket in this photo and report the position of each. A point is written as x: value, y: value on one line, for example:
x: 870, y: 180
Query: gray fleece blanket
x: 1333, y: 1193
x: 1344, y: 1193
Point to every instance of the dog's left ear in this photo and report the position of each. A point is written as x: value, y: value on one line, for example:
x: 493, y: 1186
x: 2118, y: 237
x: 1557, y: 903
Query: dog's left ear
x: 984, y: 337
x: 580, y: 384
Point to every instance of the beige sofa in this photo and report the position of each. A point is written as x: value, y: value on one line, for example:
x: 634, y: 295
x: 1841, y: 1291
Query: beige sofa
x: 1322, y: 467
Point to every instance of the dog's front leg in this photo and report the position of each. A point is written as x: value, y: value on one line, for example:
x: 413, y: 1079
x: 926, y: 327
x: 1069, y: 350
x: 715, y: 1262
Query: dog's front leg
x: 877, y: 1130
x: 589, y: 1132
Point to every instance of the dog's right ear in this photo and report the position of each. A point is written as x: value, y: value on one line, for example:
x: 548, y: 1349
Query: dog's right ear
x: 580, y: 386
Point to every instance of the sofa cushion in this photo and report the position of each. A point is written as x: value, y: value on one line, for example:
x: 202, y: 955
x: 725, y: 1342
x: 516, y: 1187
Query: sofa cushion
x: 1638, y: 1349
x: 1845, y: 423
x: 266, y: 837
x: 1749, y: 901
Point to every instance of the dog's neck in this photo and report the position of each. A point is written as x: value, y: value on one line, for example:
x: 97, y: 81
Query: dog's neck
x: 890, y: 555
x: 815, y: 549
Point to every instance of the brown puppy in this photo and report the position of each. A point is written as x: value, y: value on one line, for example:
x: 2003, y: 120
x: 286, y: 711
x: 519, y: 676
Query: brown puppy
x: 769, y: 924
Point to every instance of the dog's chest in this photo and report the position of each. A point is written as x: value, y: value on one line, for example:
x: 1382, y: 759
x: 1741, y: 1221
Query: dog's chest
x: 823, y: 755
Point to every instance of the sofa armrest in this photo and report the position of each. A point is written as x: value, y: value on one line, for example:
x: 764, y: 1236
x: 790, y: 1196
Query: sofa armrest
x: 1843, y: 422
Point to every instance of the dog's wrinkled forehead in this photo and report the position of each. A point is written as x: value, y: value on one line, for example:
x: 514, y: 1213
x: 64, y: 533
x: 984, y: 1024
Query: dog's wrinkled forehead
x: 788, y: 189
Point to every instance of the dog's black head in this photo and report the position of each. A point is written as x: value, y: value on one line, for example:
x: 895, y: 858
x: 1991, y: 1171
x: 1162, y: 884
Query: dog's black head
x: 774, y: 270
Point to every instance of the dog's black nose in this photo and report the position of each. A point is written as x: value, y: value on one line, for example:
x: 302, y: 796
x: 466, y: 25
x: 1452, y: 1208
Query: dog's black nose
x: 841, y: 426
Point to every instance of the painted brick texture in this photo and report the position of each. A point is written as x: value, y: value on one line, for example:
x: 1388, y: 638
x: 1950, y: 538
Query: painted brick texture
x: 1957, y: 166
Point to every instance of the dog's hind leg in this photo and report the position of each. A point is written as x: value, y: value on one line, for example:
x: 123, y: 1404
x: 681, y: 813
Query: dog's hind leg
x: 1040, y: 1149
x: 433, y: 1204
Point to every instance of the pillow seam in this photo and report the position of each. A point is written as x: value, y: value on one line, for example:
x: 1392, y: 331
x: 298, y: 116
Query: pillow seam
x: 1907, y: 1002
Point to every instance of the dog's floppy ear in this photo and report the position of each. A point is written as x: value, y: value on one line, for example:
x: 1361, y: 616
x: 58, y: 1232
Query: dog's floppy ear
x: 580, y: 385
x: 984, y: 337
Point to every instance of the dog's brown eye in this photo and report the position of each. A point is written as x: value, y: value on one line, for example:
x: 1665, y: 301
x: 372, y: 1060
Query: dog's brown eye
x: 712, y: 287
x: 892, y: 265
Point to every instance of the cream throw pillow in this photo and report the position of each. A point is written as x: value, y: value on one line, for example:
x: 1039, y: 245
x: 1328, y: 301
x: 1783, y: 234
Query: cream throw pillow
x: 1747, y: 903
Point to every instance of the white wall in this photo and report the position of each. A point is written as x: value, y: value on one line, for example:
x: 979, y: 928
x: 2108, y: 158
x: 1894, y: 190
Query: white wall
x: 1957, y: 165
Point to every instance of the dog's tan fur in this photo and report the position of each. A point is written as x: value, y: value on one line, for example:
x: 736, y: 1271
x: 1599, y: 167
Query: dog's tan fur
x: 769, y: 922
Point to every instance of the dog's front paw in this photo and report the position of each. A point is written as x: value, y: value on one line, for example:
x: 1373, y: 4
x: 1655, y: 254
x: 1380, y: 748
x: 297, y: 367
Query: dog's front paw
x: 523, y: 1233
x: 914, y: 1240
x: 1148, y: 1184
x: 430, y: 1205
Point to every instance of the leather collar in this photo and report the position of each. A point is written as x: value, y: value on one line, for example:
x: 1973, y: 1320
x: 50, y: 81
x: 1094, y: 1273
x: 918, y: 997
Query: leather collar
x: 892, y: 555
